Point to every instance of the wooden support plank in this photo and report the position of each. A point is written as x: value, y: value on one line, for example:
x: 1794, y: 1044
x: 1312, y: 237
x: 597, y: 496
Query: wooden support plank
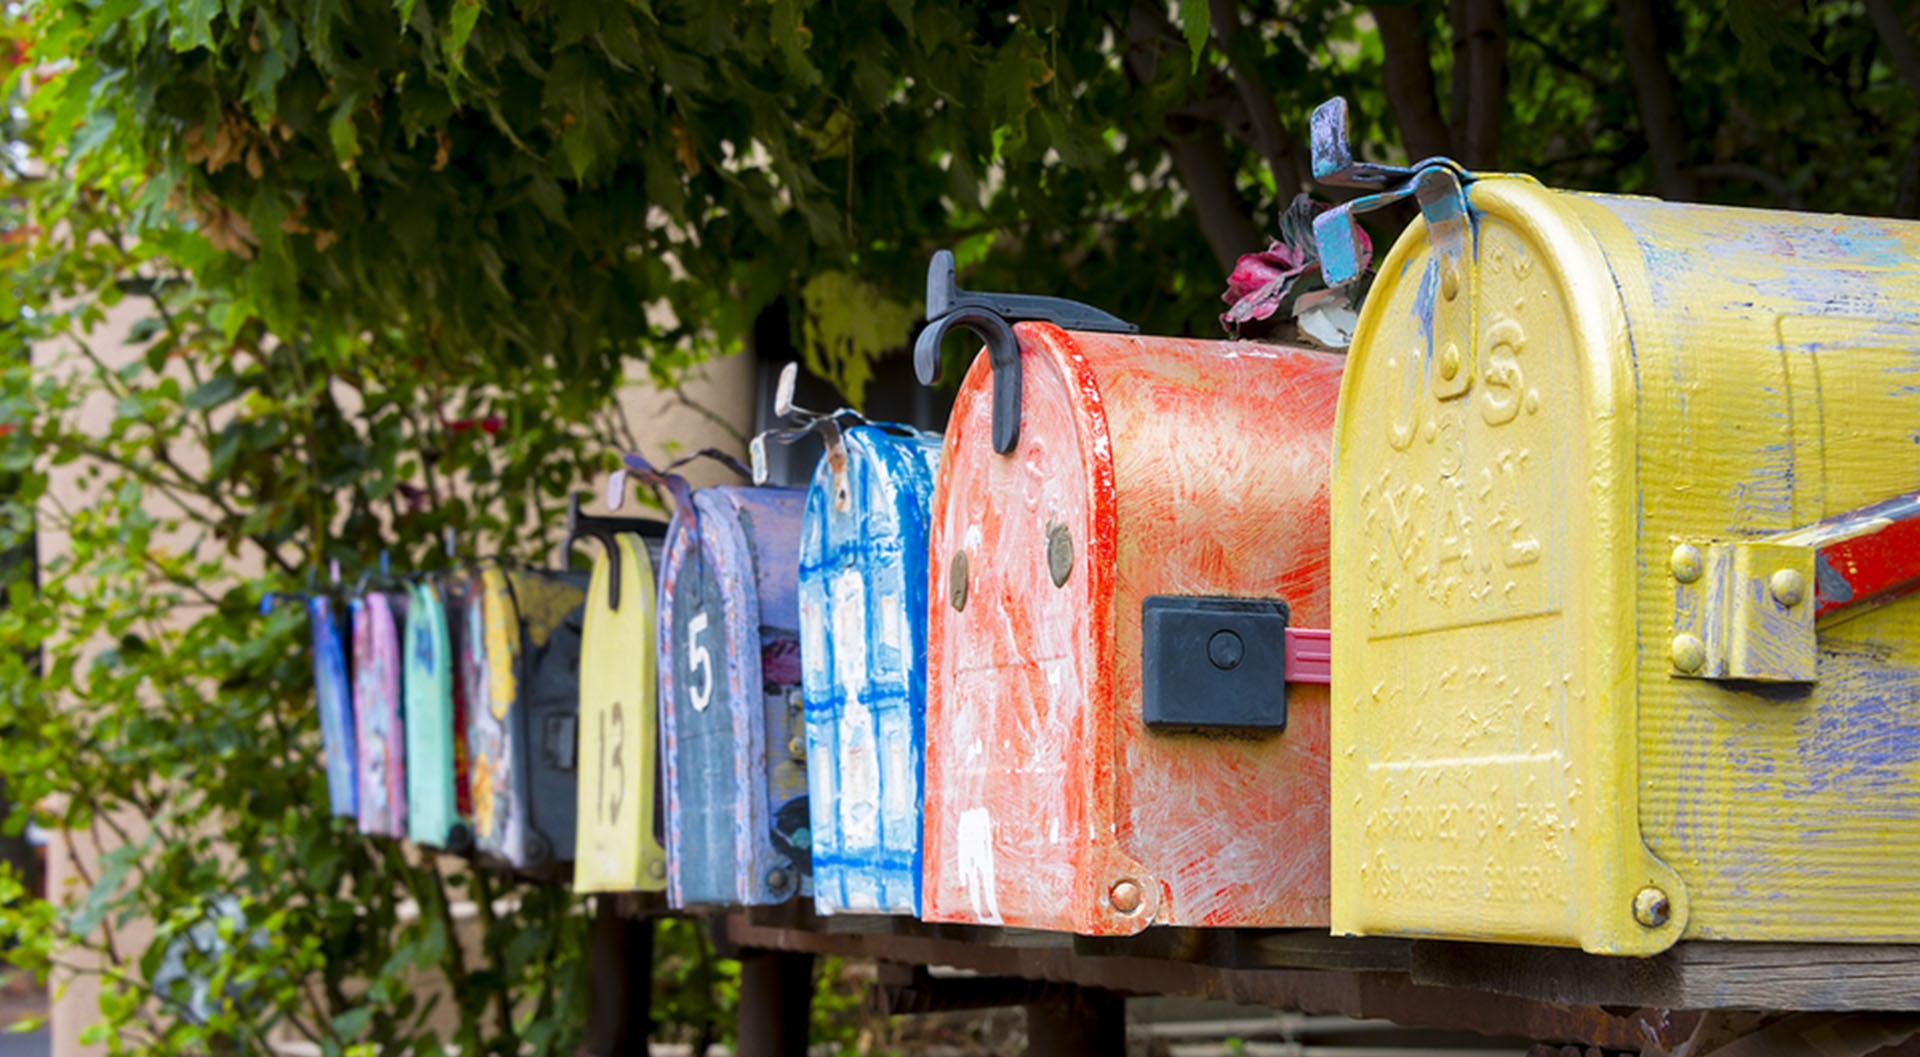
x: 1383, y: 995
x: 1085, y: 1021
x: 776, y: 998
x: 1690, y: 975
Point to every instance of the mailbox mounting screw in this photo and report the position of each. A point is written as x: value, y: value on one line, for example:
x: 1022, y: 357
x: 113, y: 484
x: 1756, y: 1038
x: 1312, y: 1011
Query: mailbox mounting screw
x: 1689, y: 653
x: 1059, y: 553
x: 797, y: 748
x: 656, y: 869
x: 1650, y: 907
x: 1125, y: 896
x: 957, y: 581
x: 1686, y: 563
x: 1788, y: 587
x: 1450, y: 361
x: 777, y: 879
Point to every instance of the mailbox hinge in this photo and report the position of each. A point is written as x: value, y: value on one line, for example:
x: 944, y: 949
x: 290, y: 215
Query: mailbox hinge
x: 1750, y: 609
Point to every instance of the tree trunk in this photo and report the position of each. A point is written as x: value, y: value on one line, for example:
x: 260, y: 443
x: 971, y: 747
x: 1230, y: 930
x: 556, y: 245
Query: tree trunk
x: 1479, y: 80
x: 1410, y: 87
x: 1900, y: 47
x: 1673, y: 174
x: 1199, y: 155
x: 1270, y: 138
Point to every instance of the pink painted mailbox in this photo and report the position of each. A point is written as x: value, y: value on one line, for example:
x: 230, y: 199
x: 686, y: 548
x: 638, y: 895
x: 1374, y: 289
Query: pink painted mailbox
x: 1126, y: 714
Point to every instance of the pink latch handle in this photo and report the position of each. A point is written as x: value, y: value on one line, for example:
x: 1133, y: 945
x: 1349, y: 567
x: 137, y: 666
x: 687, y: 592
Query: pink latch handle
x: 1309, y: 655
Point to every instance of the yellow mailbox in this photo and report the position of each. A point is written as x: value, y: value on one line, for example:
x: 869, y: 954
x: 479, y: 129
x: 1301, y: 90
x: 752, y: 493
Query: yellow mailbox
x: 1624, y: 520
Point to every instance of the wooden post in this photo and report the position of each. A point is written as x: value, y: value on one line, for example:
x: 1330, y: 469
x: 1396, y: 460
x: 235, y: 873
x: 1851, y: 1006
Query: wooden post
x: 1086, y: 1022
x: 620, y: 1012
x: 776, y: 1003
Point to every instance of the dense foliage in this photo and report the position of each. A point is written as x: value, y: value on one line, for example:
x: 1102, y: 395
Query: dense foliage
x: 393, y: 258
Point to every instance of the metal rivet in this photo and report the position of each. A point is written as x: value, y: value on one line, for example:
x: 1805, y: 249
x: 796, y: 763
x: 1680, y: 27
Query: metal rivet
x: 656, y: 869
x: 796, y: 699
x: 1686, y: 563
x: 797, y: 748
x: 957, y: 580
x: 1449, y: 280
x: 1225, y: 649
x: 1450, y: 361
x: 776, y: 879
x: 1059, y: 553
x: 1788, y: 587
x: 1125, y: 896
x: 1689, y: 653
x: 1650, y: 907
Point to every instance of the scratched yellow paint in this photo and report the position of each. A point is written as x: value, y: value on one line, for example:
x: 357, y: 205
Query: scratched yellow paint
x: 619, y: 846
x: 1513, y: 756
x: 503, y: 640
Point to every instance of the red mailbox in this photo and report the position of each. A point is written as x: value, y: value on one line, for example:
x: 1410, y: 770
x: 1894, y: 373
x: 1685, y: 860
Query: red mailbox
x: 1127, y: 716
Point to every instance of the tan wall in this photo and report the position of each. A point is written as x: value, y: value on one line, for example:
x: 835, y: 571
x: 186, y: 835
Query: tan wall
x: 661, y: 422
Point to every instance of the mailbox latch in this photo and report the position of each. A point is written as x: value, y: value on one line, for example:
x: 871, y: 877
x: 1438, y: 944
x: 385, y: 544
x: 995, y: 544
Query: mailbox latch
x: 1750, y: 609
x: 1224, y: 663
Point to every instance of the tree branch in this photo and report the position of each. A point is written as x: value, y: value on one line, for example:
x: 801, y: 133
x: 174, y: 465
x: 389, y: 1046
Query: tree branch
x: 1270, y: 137
x: 1198, y: 155
x: 1673, y: 175
x: 1409, y: 82
x: 1479, y: 80
x: 1899, y: 47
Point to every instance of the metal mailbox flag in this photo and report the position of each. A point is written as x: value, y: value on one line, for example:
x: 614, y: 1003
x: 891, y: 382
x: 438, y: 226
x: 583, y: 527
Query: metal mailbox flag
x: 1624, y: 500
x: 622, y: 825
x: 378, y: 679
x: 523, y: 704
x: 1129, y: 551
x: 434, y: 720
x: 863, y: 655
x: 730, y: 713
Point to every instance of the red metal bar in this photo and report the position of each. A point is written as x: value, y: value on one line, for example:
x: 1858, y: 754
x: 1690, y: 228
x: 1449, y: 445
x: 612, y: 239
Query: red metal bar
x: 1866, y: 555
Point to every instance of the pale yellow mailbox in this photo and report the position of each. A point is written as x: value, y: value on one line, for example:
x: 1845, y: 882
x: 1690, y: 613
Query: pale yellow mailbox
x: 1624, y: 519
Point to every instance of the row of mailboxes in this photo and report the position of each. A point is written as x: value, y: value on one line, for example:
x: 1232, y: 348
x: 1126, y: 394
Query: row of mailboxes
x: 1601, y: 532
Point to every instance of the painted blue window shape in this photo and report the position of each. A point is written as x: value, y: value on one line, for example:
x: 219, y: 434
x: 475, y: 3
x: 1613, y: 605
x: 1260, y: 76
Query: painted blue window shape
x: 335, y: 697
x: 863, y: 635
x: 732, y: 722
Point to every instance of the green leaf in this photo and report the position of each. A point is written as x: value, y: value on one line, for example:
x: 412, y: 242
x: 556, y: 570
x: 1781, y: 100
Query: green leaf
x: 351, y: 1024
x: 213, y: 392
x: 466, y: 13
x: 1195, y: 21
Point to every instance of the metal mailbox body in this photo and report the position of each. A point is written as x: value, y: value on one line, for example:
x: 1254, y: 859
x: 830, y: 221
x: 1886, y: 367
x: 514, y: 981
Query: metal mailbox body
x: 863, y: 653
x: 1144, y: 467
x: 333, y: 689
x: 523, y: 711
x: 378, y: 687
x: 434, y: 696
x: 622, y: 823
x: 730, y: 713
x: 1527, y: 439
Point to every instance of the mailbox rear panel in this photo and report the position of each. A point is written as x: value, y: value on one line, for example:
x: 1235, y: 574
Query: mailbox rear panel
x: 432, y: 806
x: 523, y: 733
x: 731, y: 714
x: 333, y: 691
x: 1145, y: 466
x: 863, y: 624
x: 378, y: 689
x: 621, y: 823
x: 1526, y: 763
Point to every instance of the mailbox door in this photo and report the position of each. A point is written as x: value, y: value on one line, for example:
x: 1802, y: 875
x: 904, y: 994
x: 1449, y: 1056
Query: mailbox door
x: 543, y: 722
x: 457, y: 600
x: 377, y: 687
x: 1145, y: 468
x: 333, y: 690
x: 431, y: 811
x: 1011, y: 657
x: 620, y: 833
x: 863, y: 611
x: 732, y: 721
x: 499, y: 796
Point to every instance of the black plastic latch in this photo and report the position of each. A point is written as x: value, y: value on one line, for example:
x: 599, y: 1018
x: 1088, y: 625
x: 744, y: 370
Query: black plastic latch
x: 991, y: 316
x: 1214, y: 664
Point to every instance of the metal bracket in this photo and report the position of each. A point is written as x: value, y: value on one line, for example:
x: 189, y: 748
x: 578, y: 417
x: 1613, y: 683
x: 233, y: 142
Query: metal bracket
x: 1334, y: 166
x: 603, y: 528
x: 991, y: 317
x: 1749, y: 609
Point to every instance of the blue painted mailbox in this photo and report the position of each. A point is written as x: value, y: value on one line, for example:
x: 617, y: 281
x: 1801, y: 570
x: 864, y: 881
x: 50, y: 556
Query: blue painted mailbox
x: 863, y: 655
x: 335, y: 694
x: 731, y: 718
x: 523, y: 698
